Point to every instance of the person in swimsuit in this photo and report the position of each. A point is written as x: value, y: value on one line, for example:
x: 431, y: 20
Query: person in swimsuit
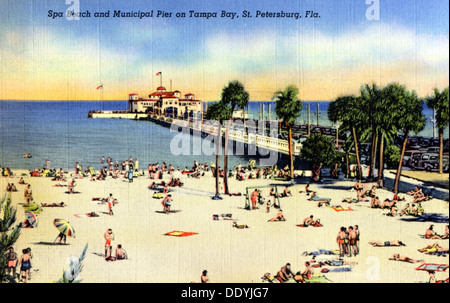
x: 356, y: 229
x: 120, y: 253
x: 429, y: 233
x: 109, y: 236
x: 25, y: 261
x: 397, y: 257
x: 358, y: 188
x: 11, y: 258
x: 254, y: 198
x: 286, y: 192
x: 406, y: 210
x: 285, y: 273
x: 71, y: 186
x: 28, y: 194
x: 340, y: 239
x: 445, y: 235
x: 309, y: 221
x: 352, y: 242
x: 387, y: 243
x: 204, y: 277
x: 110, y: 201
x: 268, y: 204
x: 305, y: 275
x: 166, y: 203
x: 278, y: 217
x: 435, y: 248
x: 61, y: 204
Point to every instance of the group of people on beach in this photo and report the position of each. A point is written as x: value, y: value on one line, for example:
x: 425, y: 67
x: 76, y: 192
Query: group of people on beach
x: 285, y: 273
x: 119, y: 253
x: 24, y: 261
x: 348, y: 241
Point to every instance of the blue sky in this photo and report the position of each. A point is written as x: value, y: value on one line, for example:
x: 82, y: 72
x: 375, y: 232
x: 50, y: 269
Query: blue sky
x: 325, y: 57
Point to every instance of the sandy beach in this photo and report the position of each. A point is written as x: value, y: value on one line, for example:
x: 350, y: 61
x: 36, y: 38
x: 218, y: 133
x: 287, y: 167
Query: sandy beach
x: 229, y: 254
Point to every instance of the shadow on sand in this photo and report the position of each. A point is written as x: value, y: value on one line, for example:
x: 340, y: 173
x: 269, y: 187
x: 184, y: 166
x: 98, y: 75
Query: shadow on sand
x: 432, y: 217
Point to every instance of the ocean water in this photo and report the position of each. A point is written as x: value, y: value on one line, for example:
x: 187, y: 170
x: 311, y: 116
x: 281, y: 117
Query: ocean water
x: 61, y: 132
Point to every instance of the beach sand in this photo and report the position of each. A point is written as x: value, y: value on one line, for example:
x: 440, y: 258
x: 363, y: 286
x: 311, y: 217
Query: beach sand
x: 229, y: 254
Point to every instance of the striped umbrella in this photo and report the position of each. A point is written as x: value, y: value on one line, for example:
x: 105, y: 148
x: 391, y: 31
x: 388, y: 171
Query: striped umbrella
x: 64, y: 227
x: 31, y: 218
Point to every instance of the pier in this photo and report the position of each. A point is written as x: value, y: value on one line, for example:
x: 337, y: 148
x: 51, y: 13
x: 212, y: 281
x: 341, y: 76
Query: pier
x: 258, y: 134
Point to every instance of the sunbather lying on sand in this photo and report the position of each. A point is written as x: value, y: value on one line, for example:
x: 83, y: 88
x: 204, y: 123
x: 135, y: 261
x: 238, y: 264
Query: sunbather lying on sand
x: 387, y: 243
x: 319, y: 200
x: 434, y: 248
x: 105, y: 200
x: 397, y: 257
x: 61, y: 204
x: 222, y: 217
x: 335, y: 263
x: 240, y: 225
x: 278, y: 217
x: 349, y: 200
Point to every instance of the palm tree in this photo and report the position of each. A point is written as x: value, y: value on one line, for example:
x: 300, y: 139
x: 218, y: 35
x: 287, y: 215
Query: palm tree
x: 439, y: 102
x: 9, y: 234
x: 410, y: 119
x: 385, y: 117
x: 287, y: 108
x: 233, y: 96
x: 371, y: 96
x: 218, y: 112
x: 345, y: 109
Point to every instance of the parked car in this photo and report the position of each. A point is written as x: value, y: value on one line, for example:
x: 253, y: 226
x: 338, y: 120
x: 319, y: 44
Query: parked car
x: 408, y: 157
x: 425, y: 142
x: 434, y: 149
x: 434, y: 142
x: 414, y: 142
x: 427, y: 161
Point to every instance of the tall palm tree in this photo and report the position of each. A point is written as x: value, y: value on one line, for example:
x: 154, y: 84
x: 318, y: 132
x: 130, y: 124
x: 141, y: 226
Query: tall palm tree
x: 371, y: 95
x: 385, y: 120
x: 410, y: 119
x: 439, y: 102
x: 217, y: 112
x: 287, y: 108
x: 233, y: 96
x: 345, y: 109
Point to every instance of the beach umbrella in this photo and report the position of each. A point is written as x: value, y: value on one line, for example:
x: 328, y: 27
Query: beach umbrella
x: 31, y: 218
x: 64, y: 227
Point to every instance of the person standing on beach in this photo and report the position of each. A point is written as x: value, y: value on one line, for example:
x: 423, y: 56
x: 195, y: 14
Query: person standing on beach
x: 11, y: 258
x: 356, y: 230
x: 28, y: 194
x: 130, y: 174
x: 110, y: 201
x: 351, y: 242
x: 25, y: 261
x: 109, y: 237
x: 268, y: 204
x: 77, y: 170
x: 254, y: 198
x: 340, y: 239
